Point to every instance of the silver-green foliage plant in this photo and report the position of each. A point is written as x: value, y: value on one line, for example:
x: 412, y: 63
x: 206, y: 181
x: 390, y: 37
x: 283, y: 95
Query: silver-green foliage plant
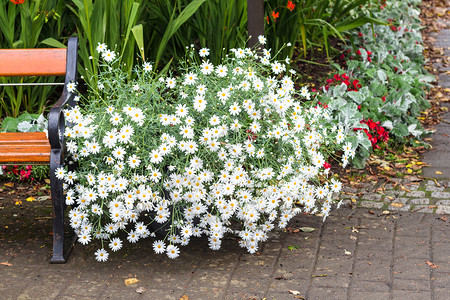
x: 24, y: 123
x: 193, y: 154
x: 388, y: 62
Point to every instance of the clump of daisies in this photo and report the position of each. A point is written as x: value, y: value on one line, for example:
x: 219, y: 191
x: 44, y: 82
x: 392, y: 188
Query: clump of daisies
x: 217, y: 145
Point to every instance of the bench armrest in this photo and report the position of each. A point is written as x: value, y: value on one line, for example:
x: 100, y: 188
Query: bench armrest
x: 56, y: 121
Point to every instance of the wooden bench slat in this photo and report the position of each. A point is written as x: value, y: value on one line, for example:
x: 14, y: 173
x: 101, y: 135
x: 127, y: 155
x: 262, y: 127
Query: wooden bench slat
x: 24, y: 153
x: 23, y: 138
x: 21, y: 147
x: 33, y: 62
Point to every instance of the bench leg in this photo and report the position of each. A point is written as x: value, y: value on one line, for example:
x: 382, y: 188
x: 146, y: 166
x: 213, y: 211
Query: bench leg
x: 58, y: 202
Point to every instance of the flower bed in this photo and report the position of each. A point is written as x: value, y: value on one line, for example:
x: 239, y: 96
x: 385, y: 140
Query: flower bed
x: 232, y: 148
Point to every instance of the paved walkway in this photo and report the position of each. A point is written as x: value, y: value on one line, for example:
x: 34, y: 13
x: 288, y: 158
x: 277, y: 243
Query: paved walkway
x: 355, y: 254
x: 439, y: 156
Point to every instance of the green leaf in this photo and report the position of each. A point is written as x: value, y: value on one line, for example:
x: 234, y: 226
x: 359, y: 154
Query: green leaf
x: 24, y: 117
x: 53, y: 43
x: 138, y: 33
x: 9, y: 124
x: 358, y: 161
x: 357, y: 23
x: 293, y: 247
x: 400, y: 130
x: 173, y: 25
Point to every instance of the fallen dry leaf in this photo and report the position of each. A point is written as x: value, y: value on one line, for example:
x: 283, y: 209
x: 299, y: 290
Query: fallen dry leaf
x: 396, y: 204
x: 307, y: 229
x: 433, y: 266
x: 6, y: 264
x: 9, y: 184
x: 184, y: 297
x: 30, y: 199
x: 294, y: 292
x: 347, y: 252
x: 141, y: 290
x: 444, y: 218
x: 438, y: 172
x: 43, y: 198
x: 129, y: 281
x: 413, y: 178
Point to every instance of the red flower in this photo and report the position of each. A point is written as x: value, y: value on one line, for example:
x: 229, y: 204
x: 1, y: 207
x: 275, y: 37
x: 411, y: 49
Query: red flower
x: 275, y: 15
x: 290, y: 5
x: 17, y: 1
x: 326, y: 165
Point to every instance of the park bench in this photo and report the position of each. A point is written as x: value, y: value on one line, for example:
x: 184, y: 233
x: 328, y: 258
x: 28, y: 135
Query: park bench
x: 34, y: 147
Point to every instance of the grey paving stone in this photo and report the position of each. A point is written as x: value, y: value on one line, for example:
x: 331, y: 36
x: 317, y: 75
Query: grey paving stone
x: 85, y: 288
x: 412, y: 247
x: 412, y: 187
x: 286, y: 282
x: 402, y: 200
x: 443, y: 210
x: 412, y: 227
x: 443, y: 202
x: 371, y: 204
x: 374, y: 243
x: 405, y: 207
x: 441, y: 234
x: 434, y: 188
x: 373, y: 254
x: 210, y: 279
x: 331, y: 280
x: 203, y: 293
x: 441, y: 294
x: 394, y: 193
x: 369, y: 295
x: 372, y: 197
x: 424, y: 209
x: 411, y: 285
x: 411, y: 295
x: 440, y: 195
x: 321, y: 293
x: 418, y: 194
x: 370, y: 286
x: 420, y: 201
x: 441, y: 251
x: 411, y: 268
x: 373, y: 270
x: 441, y: 280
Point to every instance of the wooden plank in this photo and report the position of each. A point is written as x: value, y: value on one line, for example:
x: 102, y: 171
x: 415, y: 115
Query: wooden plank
x: 8, y: 138
x: 33, y: 62
x: 24, y: 153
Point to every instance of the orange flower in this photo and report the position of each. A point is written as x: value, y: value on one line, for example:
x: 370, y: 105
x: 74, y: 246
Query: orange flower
x: 290, y: 5
x: 275, y: 15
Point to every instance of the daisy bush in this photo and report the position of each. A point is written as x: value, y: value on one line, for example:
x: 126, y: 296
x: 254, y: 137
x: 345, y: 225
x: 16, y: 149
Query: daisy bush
x: 222, y: 149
